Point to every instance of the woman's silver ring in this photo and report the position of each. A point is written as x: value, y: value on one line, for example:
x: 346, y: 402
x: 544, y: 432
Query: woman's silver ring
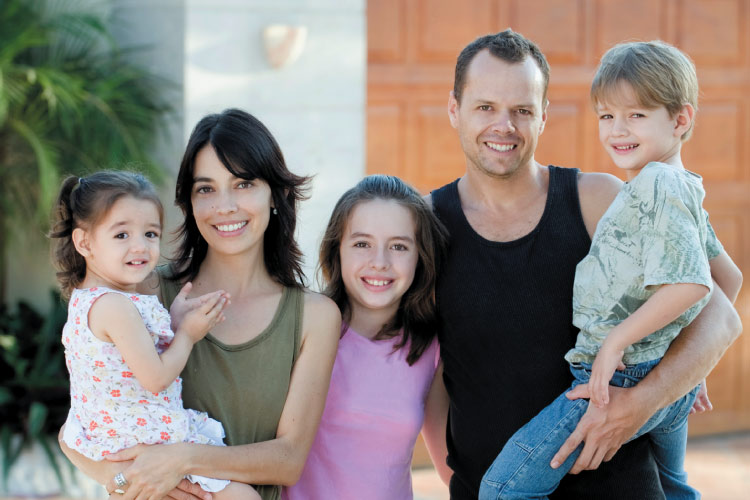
x: 120, y: 480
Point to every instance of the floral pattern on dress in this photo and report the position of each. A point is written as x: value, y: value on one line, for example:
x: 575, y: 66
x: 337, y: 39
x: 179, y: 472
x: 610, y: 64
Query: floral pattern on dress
x: 109, y: 409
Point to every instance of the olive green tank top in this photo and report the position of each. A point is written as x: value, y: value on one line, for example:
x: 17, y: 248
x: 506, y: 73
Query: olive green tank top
x: 244, y: 386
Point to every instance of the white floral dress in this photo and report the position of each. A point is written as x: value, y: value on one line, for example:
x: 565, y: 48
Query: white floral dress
x: 109, y: 409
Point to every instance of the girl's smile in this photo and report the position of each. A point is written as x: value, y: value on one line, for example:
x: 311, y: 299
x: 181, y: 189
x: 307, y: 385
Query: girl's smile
x: 377, y: 284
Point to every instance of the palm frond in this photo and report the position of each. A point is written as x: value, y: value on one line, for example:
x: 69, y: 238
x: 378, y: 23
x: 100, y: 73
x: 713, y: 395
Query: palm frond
x: 46, y: 161
x: 65, y: 85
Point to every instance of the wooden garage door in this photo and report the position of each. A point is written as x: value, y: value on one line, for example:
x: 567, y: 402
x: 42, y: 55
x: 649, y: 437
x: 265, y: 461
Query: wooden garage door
x: 412, y: 48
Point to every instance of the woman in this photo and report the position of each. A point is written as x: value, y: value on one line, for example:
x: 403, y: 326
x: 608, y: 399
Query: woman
x: 263, y: 372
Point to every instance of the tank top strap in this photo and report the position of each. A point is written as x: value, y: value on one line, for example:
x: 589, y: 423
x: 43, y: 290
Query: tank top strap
x: 565, y: 204
x: 296, y: 305
x: 447, y: 206
x: 563, y: 186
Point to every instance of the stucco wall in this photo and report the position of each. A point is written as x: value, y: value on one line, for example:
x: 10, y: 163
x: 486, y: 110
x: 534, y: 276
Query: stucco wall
x: 315, y: 107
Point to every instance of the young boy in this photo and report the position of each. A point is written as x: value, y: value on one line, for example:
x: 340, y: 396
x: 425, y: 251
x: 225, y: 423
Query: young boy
x: 647, y: 274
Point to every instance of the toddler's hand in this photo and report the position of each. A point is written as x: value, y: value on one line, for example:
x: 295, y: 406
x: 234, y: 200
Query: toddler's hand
x: 702, y: 403
x: 181, y: 305
x: 605, y: 364
x: 199, y: 321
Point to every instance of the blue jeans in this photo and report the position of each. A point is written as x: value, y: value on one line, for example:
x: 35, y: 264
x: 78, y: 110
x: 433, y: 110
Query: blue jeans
x: 522, y: 470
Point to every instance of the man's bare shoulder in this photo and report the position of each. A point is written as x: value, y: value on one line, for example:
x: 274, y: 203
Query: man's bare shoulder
x: 597, y: 188
x: 598, y: 184
x: 596, y: 191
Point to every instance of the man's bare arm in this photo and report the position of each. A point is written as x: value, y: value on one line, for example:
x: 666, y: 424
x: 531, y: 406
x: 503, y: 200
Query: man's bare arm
x: 693, y: 354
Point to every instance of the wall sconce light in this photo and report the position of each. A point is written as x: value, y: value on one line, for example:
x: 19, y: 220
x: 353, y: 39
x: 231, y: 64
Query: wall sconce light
x: 283, y: 44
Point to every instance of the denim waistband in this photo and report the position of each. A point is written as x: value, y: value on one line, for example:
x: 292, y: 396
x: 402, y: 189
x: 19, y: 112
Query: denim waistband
x: 638, y: 370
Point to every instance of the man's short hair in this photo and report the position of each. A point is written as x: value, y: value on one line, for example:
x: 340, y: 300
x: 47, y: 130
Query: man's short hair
x: 660, y: 75
x: 507, y: 45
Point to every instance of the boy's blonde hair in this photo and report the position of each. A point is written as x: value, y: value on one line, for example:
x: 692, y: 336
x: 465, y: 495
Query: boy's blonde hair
x: 660, y: 75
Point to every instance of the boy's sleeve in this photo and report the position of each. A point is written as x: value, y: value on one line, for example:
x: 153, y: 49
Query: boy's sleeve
x: 671, y: 222
x: 713, y: 245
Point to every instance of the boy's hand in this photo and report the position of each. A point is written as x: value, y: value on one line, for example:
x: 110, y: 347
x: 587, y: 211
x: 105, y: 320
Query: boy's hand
x: 607, y: 361
x: 199, y: 321
x: 181, y: 304
x: 702, y: 403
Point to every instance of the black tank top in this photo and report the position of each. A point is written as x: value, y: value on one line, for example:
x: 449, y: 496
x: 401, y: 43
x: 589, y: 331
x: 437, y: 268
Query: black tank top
x: 505, y: 324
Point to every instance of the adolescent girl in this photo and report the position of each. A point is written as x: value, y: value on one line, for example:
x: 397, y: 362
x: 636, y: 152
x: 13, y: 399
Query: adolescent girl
x: 123, y: 358
x: 378, y: 260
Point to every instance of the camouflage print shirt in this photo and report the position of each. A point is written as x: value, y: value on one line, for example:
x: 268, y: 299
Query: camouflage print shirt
x: 655, y: 232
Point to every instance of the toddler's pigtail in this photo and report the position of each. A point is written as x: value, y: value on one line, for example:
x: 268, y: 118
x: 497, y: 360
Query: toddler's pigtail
x: 70, y: 264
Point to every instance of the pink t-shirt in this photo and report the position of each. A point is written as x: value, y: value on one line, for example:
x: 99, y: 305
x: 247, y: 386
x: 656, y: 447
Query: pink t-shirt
x: 373, y: 414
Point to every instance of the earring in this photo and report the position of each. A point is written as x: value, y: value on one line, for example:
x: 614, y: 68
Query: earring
x: 275, y: 212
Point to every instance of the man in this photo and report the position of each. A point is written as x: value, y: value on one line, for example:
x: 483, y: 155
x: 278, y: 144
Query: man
x: 518, y: 229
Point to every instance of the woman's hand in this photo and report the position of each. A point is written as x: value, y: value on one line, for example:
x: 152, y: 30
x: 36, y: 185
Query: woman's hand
x: 185, y: 490
x: 188, y: 491
x: 155, y: 472
x: 100, y: 471
x: 182, y: 304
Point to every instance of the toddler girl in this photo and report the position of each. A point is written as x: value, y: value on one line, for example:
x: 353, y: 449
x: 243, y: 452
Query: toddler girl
x: 123, y: 357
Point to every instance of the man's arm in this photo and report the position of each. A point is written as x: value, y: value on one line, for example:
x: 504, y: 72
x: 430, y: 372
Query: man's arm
x: 689, y: 359
x: 727, y: 275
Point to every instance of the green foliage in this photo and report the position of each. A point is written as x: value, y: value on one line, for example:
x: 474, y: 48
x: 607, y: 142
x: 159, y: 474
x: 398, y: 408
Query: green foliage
x: 34, y: 389
x: 70, y: 103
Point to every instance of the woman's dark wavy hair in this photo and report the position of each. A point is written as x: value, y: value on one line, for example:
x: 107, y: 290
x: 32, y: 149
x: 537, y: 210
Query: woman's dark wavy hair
x: 416, y: 314
x: 82, y: 203
x: 248, y: 150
